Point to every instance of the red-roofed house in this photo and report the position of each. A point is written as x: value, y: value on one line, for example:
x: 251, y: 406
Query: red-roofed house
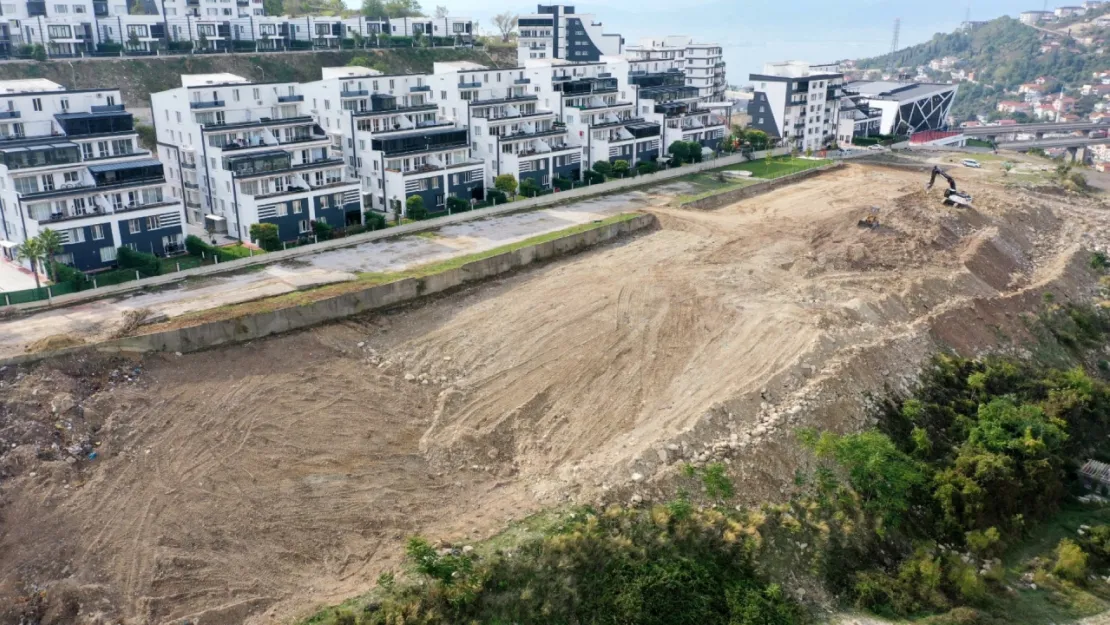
x: 1014, y: 106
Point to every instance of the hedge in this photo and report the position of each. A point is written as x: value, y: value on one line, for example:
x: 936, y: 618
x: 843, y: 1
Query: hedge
x: 147, y: 264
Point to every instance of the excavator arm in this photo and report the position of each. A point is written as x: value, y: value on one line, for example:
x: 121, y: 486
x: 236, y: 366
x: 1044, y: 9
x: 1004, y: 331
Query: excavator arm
x: 937, y: 171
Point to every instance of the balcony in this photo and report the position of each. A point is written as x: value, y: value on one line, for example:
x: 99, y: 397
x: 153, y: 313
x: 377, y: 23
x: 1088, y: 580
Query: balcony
x: 138, y: 206
x: 9, y: 114
x: 290, y: 98
x: 555, y: 130
x: 470, y: 85
x: 420, y: 88
x: 100, y: 9
x: 54, y: 218
x: 424, y: 169
x: 354, y: 93
x: 522, y: 81
x: 36, y: 9
x: 212, y: 104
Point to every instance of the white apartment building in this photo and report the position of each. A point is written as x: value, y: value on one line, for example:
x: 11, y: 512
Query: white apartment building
x: 798, y: 103
x: 556, y: 31
x: 69, y: 161
x: 702, y: 63
x: 394, y: 141
x: 246, y: 153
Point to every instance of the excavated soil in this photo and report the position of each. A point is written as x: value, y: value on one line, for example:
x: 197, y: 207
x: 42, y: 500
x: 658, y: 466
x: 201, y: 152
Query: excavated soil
x: 247, y: 483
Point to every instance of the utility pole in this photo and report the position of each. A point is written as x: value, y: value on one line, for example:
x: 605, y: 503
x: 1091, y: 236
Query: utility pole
x: 894, y: 43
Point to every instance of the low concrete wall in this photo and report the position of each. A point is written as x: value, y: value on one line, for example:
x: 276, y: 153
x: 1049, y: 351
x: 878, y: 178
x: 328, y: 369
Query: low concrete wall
x: 731, y: 197
x: 410, y: 228
x: 250, y: 327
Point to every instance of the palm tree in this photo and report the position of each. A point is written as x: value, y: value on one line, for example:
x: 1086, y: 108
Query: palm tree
x: 32, y: 250
x: 51, y: 245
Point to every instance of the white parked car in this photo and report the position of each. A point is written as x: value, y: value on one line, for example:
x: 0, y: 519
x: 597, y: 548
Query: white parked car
x: 970, y: 162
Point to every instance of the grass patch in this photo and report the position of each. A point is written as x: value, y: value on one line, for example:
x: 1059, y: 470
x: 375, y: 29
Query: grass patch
x: 979, y: 143
x: 367, y: 279
x: 779, y: 166
x: 706, y: 184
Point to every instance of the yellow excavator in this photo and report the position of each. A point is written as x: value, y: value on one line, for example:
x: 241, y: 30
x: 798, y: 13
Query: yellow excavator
x: 872, y: 219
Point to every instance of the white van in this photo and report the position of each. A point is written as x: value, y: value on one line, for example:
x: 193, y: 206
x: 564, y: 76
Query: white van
x: 970, y: 162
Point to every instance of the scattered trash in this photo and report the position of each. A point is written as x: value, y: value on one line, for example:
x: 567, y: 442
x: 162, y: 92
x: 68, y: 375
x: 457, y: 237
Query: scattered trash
x: 92, y: 456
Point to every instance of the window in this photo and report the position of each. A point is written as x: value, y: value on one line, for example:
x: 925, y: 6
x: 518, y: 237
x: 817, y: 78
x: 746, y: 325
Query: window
x: 255, y: 93
x: 48, y: 182
x: 71, y: 177
x: 303, y: 226
x: 107, y: 254
x: 152, y: 222
x: 36, y: 103
x: 297, y: 208
x: 61, y: 8
x: 235, y: 95
x: 97, y: 232
x: 282, y: 210
x: 29, y: 184
x: 77, y: 235
x: 133, y: 226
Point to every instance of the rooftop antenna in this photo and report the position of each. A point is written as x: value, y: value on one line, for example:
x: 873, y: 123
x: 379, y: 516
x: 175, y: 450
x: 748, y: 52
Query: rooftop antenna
x: 967, y: 16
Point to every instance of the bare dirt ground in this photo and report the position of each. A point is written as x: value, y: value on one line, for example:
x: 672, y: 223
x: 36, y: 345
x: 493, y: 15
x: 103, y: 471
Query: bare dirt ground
x: 246, y: 484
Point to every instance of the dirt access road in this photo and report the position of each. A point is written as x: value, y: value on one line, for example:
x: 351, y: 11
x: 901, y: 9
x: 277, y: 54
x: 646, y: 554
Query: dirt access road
x: 248, y: 483
x: 96, y: 320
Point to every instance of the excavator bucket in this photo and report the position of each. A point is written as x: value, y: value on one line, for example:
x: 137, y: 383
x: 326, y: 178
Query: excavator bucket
x: 872, y: 219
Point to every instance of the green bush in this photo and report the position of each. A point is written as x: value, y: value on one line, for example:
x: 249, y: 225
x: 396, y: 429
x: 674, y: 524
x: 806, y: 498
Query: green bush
x: 1071, y: 562
x: 592, y: 177
x: 414, y: 208
x: 561, y: 183
x: 529, y: 188
x: 603, y: 168
x: 494, y: 196
x: 66, y: 274
x: 647, y: 167
x: 266, y: 236
x: 375, y: 220
x: 322, y: 230
x: 147, y: 264
x: 457, y: 204
x: 506, y: 184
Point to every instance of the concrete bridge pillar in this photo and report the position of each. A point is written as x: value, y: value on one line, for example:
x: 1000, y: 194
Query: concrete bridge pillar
x: 1039, y: 134
x: 1074, y: 151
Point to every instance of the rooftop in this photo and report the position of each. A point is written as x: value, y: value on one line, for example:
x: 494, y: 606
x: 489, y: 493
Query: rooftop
x: 889, y: 90
x: 29, y: 85
x: 354, y: 71
x: 200, y: 80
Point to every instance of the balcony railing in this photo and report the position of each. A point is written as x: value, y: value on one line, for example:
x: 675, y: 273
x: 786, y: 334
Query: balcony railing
x: 206, y: 105
x: 470, y: 85
x: 74, y: 214
x: 419, y: 88
x: 291, y: 98
x: 354, y: 93
x: 9, y: 114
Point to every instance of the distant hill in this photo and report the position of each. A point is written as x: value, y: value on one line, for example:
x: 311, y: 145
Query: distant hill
x: 1004, y: 53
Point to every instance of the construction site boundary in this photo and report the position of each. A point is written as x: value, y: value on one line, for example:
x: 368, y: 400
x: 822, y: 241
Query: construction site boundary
x: 529, y: 204
x: 259, y: 325
x: 725, y: 198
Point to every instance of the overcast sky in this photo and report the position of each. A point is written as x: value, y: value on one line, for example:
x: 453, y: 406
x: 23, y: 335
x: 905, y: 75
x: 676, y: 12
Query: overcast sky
x: 753, y: 33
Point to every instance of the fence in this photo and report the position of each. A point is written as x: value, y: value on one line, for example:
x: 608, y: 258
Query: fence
x: 520, y: 205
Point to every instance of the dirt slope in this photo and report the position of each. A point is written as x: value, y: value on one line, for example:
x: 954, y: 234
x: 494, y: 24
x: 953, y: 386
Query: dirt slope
x: 244, y: 484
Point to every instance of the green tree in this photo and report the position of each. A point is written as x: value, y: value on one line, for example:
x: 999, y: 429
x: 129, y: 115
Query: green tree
x: 414, y: 208
x: 272, y: 7
x: 373, y: 8
x: 506, y: 184
x: 33, y: 252
x: 620, y: 168
x: 441, y: 12
x: 1071, y: 562
x: 529, y: 188
x: 265, y: 236
x: 757, y: 139
x: 322, y: 230
x: 51, y: 243
x: 680, y: 152
x: 403, y: 8
x: 604, y: 168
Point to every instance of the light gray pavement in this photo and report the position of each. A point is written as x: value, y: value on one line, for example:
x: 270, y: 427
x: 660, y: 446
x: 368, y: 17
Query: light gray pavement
x: 12, y: 278
x: 98, y: 318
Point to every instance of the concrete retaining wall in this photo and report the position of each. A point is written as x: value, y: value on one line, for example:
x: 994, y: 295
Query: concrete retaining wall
x: 580, y: 193
x: 731, y: 197
x: 250, y: 327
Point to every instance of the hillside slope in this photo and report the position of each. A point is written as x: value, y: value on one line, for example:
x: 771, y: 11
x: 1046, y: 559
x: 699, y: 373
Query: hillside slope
x: 139, y: 77
x: 1004, y: 53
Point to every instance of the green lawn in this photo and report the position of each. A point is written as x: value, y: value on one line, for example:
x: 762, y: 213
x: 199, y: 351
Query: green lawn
x: 779, y: 166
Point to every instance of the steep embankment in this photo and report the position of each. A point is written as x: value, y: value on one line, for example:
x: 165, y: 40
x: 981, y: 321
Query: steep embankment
x: 139, y: 77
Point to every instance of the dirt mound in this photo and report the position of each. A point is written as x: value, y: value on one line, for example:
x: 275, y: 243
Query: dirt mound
x: 240, y: 484
x: 54, y: 342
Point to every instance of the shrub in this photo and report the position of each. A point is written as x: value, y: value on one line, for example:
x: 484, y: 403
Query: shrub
x: 603, y: 168
x: 414, y: 208
x: 196, y: 245
x: 147, y: 264
x: 38, y: 52
x: 457, y: 204
x: 529, y: 188
x: 1098, y: 261
x: 266, y: 236
x: 562, y: 184
x: 66, y: 274
x: 375, y: 221
x: 1071, y: 562
x: 493, y: 196
x: 620, y: 168
x: 647, y: 167
x: 322, y: 230
x: 592, y: 177
x: 506, y: 184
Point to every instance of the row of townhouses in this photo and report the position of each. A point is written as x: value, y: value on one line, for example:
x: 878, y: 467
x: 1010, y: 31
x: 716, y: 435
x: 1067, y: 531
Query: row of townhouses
x: 232, y: 152
x: 70, y: 161
x: 70, y: 28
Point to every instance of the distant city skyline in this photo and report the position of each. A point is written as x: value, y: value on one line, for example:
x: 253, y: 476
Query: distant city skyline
x: 811, y: 30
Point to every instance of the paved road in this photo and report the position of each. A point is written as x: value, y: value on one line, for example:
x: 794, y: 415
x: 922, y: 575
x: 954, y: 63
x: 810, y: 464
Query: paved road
x: 98, y: 318
x: 13, y: 279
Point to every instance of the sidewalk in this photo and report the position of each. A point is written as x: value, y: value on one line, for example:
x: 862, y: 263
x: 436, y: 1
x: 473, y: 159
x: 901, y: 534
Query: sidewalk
x: 14, y: 278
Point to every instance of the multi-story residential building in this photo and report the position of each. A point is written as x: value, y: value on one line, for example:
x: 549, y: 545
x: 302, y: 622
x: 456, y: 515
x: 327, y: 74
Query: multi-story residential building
x: 247, y: 153
x: 69, y: 161
x: 394, y: 141
x: 555, y: 31
x: 675, y: 108
x: 458, y: 28
x: 702, y: 63
x: 1032, y: 18
x: 798, y: 103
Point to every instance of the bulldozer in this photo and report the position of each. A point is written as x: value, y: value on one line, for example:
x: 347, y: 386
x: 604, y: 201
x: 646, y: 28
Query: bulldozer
x: 872, y: 219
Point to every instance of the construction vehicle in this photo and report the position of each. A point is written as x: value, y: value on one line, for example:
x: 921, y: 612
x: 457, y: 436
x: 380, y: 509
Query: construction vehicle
x: 872, y: 219
x: 952, y: 197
